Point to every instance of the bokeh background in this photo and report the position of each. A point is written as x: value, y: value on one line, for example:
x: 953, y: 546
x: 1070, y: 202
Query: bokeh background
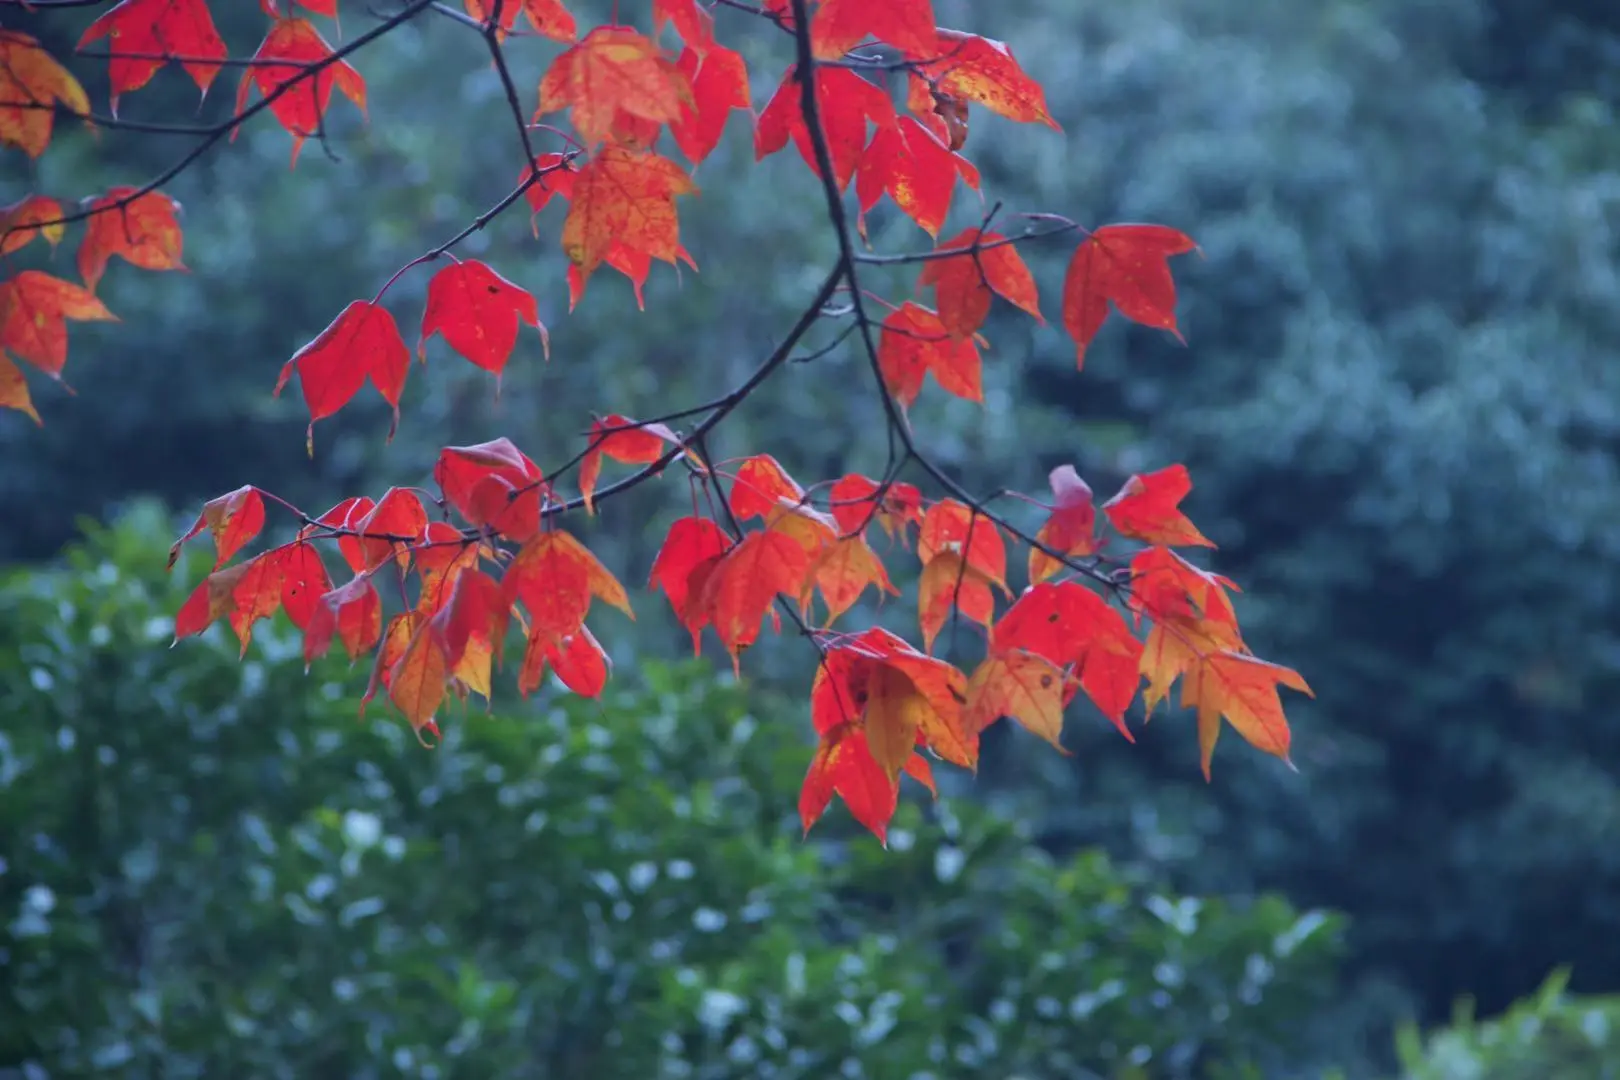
x: 1400, y: 402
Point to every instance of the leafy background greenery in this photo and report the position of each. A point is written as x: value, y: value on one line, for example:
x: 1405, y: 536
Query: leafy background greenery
x: 1400, y: 406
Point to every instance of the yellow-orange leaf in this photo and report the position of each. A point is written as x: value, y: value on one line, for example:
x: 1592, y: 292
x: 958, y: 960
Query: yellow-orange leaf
x: 14, y: 389
x: 893, y: 717
x: 1021, y: 685
x: 953, y: 526
x: 947, y: 582
x: 842, y: 572
x: 31, y: 82
x: 1175, y: 646
x: 22, y: 220
x: 417, y: 681
x: 1244, y: 690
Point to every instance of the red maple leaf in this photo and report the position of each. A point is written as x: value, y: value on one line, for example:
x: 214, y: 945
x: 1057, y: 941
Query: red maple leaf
x: 845, y: 101
x: 493, y: 485
x: 914, y: 342
x: 963, y: 283
x: 918, y: 171
x: 840, y: 25
x: 1128, y: 266
x: 719, y: 84
x: 362, y: 343
x: 1147, y: 508
x: 479, y: 313
x: 142, y: 31
x: 291, y: 47
x: 624, y: 197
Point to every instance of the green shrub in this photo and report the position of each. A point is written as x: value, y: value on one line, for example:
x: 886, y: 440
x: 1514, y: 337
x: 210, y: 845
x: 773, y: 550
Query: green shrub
x: 1549, y: 1035
x: 215, y: 870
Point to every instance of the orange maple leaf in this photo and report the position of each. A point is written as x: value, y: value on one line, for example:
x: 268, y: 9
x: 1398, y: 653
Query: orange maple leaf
x: 613, y: 70
x: 744, y: 582
x: 34, y: 309
x: 416, y: 680
x: 1077, y: 630
x: 842, y: 570
x: 1129, y: 266
x: 952, y: 526
x: 290, y: 576
x: 287, y: 52
x: 1244, y: 690
x: 31, y: 84
x: 844, y: 691
x: 391, y: 528
x: 14, y: 390
x: 947, y: 583
x: 142, y: 32
x: 843, y: 765
x: 1023, y: 685
x: 980, y: 69
x: 556, y: 576
x: 761, y: 486
x: 624, y: 197
x: 143, y: 231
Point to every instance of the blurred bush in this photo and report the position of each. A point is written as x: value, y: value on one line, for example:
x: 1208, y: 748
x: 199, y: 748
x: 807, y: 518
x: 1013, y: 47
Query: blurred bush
x: 1550, y: 1035
x: 214, y: 870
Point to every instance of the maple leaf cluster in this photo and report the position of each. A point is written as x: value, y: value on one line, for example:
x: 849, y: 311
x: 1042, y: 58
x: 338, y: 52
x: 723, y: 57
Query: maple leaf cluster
x: 878, y: 97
